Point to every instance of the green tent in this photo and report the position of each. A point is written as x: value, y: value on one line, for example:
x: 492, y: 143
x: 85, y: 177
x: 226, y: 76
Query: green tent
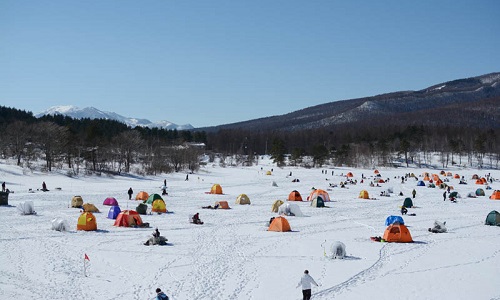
x: 480, y: 192
x: 142, y: 209
x: 152, y: 198
x: 318, y: 202
x: 408, y: 202
x: 453, y: 195
x: 493, y: 218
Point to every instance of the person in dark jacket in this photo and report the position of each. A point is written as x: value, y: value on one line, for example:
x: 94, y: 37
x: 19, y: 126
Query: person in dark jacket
x: 160, y: 295
x: 130, y: 192
x: 44, y: 187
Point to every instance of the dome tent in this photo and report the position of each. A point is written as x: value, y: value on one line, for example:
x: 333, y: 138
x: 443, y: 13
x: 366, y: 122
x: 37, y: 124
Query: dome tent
x: 26, y: 208
x: 279, y: 224
x: 397, y: 233
x: 110, y: 201
x: 290, y: 209
x: 276, y: 205
x: 59, y: 224
x: 216, y: 189
x: 77, y: 201
x: 114, y: 211
x: 493, y: 218
x: 142, y: 196
x: 338, y: 250
x: 86, y: 222
x: 242, y: 199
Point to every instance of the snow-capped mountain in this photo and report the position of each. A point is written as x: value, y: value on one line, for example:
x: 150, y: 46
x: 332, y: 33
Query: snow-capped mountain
x: 94, y: 113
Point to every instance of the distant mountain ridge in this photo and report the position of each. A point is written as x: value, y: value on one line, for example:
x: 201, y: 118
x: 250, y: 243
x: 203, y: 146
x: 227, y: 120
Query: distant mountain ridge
x: 94, y: 113
x: 473, y: 101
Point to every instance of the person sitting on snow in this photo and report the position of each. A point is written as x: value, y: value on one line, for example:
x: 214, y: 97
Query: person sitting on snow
x: 196, y: 219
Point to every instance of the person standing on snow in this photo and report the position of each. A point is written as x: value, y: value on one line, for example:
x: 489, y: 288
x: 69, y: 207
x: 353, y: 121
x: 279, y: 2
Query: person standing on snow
x: 130, y: 192
x: 305, y: 282
x: 414, y: 193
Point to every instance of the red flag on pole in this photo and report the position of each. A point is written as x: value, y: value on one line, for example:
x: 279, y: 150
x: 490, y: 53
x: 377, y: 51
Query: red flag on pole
x: 86, y: 257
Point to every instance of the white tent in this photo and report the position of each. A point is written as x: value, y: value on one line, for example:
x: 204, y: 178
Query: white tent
x: 290, y: 209
x: 26, y: 208
x: 338, y: 250
x: 59, y: 224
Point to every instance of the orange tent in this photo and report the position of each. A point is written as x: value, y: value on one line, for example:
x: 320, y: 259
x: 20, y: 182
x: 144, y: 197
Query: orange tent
x: 216, y: 189
x: 294, y: 196
x: 495, y: 195
x: 222, y: 204
x: 426, y: 178
x: 479, y: 181
x: 86, y: 222
x: 456, y: 176
x: 381, y: 181
x: 425, y: 174
x: 397, y: 233
x: 376, y: 172
x: 484, y: 180
x: 279, y: 224
x: 350, y: 174
x: 435, y: 177
x: 322, y: 193
x: 439, y: 182
x: 364, y: 194
x: 128, y: 218
x: 143, y: 196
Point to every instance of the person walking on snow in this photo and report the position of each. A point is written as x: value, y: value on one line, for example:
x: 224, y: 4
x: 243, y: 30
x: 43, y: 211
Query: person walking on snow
x: 160, y: 295
x: 305, y: 282
x: 414, y: 193
x: 130, y: 192
x: 444, y: 196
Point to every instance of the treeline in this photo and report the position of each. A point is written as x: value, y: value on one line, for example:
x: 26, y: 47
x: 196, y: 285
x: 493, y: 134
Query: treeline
x: 366, y: 145
x: 110, y: 146
x: 96, y: 145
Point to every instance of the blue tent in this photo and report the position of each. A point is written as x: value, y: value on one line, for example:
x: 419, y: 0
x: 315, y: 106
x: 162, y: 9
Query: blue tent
x: 114, y: 211
x: 420, y: 183
x: 393, y: 219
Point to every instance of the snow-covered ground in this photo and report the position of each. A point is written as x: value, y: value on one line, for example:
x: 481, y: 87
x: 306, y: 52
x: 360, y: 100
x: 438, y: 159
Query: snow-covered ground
x: 233, y: 256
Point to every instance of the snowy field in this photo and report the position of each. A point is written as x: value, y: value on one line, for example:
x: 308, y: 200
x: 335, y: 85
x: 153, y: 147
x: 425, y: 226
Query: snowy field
x: 233, y: 256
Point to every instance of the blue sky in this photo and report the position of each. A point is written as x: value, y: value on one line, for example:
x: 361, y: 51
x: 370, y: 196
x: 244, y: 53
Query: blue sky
x: 215, y: 62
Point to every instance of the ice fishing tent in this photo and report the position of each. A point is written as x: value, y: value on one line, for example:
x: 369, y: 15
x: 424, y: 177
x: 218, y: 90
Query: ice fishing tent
x: 495, y: 195
x: 128, y: 218
x: 350, y: 174
x: 449, y: 174
x: 456, y: 176
x: 159, y: 206
x: 364, y: 194
x: 493, y: 218
x: 324, y: 195
x: 110, y: 201
x: 242, y: 199
x: 222, y: 204
x: 77, y: 201
x: 143, y: 196
x: 408, y: 202
x: 479, y: 181
x: 142, y: 209
x: 475, y: 176
x: 338, y: 250
x: 269, y: 173
x: 89, y: 207
x: 290, y: 209
x: 26, y: 208
x: 86, y: 222
x: 276, y: 205
x: 113, y: 212
x: 397, y: 233
x: 279, y: 224
x: 394, y: 219
x: 480, y: 192
x: 59, y: 224
x: 216, y: 189
x: 294, y: 196
x: 420, y: 183
x: 318, y: 202
x: 376, y: 172
x: 152, y: 198
x: 454, y: 195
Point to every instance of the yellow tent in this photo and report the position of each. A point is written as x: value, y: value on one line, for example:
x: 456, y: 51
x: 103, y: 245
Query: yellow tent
x: 276, y: 204
x: 364, y: 194
x: 89, y: 207
x: 216, y: 189
x: 159, y: 206
x: 243, y: 199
